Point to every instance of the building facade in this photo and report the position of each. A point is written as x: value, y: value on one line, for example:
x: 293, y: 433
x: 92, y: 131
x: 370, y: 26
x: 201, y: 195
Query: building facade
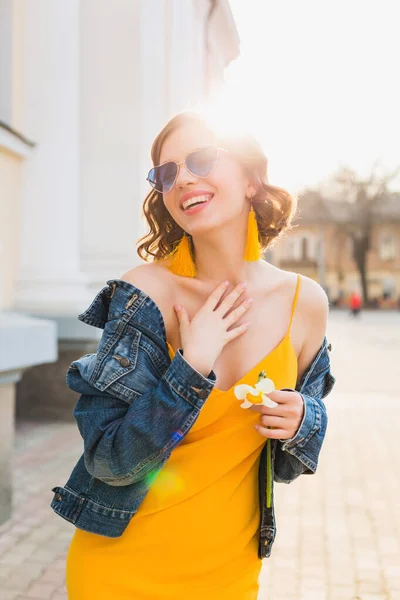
x: 319, y: 247
x: 85, y: 85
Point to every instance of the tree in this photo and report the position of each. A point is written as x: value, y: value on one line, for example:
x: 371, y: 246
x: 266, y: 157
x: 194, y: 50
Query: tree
x: 363, y: 197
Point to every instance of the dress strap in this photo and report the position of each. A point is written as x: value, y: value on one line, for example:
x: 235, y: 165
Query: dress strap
x: 296, y: 295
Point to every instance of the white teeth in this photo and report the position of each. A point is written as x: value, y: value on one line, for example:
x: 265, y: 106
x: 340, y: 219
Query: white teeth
x: 195, y: 200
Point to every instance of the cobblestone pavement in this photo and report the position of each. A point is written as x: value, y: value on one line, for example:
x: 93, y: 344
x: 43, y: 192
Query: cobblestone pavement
x: 338, y: 531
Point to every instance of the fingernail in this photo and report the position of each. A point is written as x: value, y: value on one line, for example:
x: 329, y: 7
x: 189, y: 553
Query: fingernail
x: 226, y: 282
x: 177, y: 306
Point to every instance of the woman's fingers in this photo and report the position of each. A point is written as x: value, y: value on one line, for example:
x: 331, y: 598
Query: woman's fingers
x: 230, y: 299
x: 234, y: 333
x: 182, y: 314
x: 215, y: 295
x: 273, y: 434
x: 267, y: 421
x: 280, y: 410
x: 238, y: 312
x: 206, y: 333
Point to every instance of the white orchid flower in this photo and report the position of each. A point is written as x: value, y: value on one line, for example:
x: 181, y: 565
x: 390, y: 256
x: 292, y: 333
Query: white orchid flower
x: 257, y: 394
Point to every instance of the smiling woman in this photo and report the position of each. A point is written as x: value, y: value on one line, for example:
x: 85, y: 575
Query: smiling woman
x: 171, y: 460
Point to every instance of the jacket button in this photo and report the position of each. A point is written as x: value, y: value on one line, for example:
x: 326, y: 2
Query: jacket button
x: 124, y: 362
x: 58, y: 497
x: 202, y: 394
x: 329, y: 347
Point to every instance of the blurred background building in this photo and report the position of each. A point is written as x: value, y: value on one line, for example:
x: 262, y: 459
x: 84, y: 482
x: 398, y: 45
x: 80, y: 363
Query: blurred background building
x: 320, y: 247
x: 85, y: 85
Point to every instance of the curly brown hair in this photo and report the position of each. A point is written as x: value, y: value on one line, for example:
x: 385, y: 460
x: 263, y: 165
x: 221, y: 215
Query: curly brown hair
x: 275, y: 208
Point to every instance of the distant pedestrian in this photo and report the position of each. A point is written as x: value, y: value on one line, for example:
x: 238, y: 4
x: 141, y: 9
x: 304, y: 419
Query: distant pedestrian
x: 355, y: 303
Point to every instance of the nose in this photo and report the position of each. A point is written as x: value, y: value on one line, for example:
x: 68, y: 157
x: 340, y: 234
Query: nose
x: 185, y: 177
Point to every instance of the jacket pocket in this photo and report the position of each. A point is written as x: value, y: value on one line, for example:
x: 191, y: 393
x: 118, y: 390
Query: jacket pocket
x: 127, y: 364
x: 117, y: 359
x: 114, y: 370
x: 125, y: 368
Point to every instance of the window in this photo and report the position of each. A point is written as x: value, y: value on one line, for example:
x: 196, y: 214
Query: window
x: 291, y: 248
x: 305, y: 248
x: 388, y: 287
x: 300, y: 247
x: 387, y: 248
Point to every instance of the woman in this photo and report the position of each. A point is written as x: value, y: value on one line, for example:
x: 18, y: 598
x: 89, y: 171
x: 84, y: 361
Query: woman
x: 173, y: 496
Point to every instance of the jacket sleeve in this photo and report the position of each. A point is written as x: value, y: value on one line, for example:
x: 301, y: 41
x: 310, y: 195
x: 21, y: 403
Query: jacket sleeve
x: 299, y: 455
x: 126, y: 440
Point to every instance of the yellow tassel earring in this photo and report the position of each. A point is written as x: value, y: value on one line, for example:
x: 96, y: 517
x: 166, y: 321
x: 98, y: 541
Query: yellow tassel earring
x: 252, y: 251
x: 182, y: 259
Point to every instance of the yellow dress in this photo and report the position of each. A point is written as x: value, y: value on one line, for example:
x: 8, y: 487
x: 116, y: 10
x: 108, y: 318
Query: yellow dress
x: 195, y: 534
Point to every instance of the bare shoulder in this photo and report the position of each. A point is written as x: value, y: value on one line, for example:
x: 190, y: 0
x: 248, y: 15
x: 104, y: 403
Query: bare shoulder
x: 313, y: 300
x: 152, y: 279
x: 310, y: 317
x: 313, y: 309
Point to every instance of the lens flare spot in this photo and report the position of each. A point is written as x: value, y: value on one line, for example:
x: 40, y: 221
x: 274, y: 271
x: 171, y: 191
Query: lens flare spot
x: 151, y: 476
x: 169, y: 483
x: 165, y: 484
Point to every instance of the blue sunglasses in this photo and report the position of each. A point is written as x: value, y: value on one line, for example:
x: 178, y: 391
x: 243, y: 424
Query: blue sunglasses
x: 199, y: 163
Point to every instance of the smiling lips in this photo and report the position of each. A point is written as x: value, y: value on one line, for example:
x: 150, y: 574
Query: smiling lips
x: 195, y: 199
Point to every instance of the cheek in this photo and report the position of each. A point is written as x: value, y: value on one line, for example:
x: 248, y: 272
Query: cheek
x: 228, y: 182
x: 171, y: 203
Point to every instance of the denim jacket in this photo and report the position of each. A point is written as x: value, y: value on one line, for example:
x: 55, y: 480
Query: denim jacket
x: 135, y: 406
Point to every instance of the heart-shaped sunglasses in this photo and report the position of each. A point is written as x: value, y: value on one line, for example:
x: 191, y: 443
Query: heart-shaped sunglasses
x: 199, y: 163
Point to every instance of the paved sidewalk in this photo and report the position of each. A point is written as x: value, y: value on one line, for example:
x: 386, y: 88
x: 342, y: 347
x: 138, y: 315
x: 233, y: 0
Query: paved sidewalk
x: 34, y: 542
x: 338, y: 531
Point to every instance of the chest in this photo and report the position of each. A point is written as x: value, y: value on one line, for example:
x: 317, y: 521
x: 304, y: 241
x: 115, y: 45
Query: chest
x: 266, y: 337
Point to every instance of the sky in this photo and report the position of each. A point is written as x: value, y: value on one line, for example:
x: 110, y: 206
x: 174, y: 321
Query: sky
x: 317, y: 82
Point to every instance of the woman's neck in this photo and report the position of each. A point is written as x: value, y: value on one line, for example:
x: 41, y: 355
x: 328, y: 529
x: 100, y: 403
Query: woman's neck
x: 219, y: 258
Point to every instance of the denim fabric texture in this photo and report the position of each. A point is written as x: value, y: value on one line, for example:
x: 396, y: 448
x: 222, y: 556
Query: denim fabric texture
x: 135, y: 405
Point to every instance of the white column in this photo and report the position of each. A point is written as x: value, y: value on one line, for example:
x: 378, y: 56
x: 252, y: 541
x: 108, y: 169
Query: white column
x: 199, y: 63
x: 6, y: 61
x: 154, y: 78
x: 181, y: 39
x: 50, y: 279
x: 110, y: 135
